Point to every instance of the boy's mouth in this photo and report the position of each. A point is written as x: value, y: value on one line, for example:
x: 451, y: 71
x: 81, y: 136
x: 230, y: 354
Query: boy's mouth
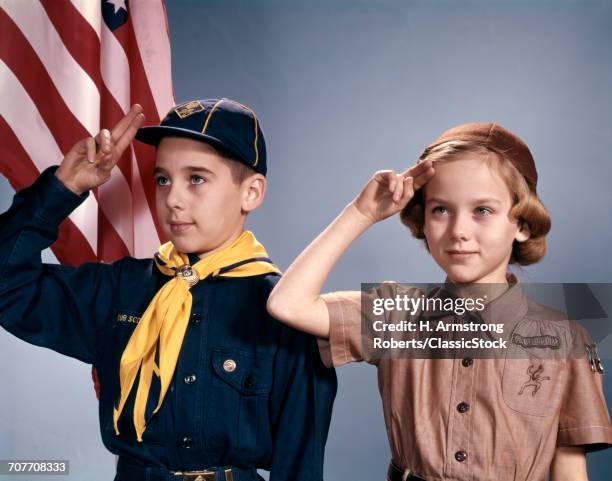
x: 180, y: 227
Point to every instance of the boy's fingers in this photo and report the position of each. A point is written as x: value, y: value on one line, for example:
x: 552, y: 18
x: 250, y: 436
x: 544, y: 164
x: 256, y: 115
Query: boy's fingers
x: 124, y: 123
x: 90, y: 150
x: 128, y: 135
x: 106, y: 161
x: 103, y: 140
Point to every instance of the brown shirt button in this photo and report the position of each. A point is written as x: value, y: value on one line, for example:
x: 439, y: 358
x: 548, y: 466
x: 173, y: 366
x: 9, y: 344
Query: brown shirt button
x: 463, y: 407
x: 467, y: 361
x: 461, y: 456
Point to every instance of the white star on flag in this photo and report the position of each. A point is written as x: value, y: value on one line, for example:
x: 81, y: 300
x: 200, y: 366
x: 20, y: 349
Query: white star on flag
x: 118, y: 4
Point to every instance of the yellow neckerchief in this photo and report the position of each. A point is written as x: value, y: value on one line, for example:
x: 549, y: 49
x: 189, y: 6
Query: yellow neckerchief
x: 165, y: 321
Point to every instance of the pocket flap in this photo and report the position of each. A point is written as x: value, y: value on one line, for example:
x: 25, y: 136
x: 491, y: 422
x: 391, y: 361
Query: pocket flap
x: 248, y: 374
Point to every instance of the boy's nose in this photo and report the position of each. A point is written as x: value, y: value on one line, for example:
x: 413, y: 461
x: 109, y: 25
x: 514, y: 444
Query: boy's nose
x: 174, y: 200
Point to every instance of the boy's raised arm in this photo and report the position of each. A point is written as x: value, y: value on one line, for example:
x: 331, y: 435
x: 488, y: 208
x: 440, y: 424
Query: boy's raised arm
x: 50, y: 305
x: 296, y: 298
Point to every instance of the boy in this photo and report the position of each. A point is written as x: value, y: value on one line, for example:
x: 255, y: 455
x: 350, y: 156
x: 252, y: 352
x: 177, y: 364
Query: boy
x: 503, y: 419
x: 197, y: 381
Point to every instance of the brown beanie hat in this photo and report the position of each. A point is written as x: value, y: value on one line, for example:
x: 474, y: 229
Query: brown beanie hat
x: 499, y: 140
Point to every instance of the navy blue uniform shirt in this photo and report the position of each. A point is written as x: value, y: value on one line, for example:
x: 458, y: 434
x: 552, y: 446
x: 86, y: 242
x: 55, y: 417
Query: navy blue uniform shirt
x: 247, y: 391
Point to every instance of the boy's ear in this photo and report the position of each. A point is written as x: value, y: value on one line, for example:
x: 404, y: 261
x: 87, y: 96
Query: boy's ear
x: 523, y: 233
x: 253, y: 192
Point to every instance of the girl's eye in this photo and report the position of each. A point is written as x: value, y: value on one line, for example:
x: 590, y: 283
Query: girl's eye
x: 439, y: 210
x: 161, y: 180
x: 196, y: 179
x: 483, y: 211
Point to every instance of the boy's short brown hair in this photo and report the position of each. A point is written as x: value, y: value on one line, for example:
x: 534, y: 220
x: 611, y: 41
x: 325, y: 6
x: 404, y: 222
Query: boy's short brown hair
x: 239, y: 170
x: 527, y: 207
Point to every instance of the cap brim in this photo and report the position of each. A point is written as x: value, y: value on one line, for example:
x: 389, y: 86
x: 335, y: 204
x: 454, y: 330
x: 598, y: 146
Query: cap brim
x: 153, y: 134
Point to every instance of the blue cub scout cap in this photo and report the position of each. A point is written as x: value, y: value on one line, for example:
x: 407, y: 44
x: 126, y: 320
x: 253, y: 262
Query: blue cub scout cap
x: 222, y: 123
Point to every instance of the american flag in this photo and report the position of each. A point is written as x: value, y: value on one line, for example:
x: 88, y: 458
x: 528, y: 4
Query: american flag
x: 67, y: 69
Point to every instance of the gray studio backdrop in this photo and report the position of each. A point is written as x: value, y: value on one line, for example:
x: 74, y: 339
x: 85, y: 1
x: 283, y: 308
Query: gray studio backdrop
x: 344, y: 88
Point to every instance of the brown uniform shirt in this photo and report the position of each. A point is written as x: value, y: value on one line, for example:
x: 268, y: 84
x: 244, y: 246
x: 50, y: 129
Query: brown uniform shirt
x: 479, y: 419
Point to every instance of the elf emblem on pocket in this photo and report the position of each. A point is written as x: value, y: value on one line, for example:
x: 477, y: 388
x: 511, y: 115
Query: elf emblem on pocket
x: 535, y: 379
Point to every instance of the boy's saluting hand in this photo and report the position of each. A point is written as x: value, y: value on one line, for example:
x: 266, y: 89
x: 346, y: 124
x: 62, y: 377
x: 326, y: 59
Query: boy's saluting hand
x: 90, y: 161
x: 387, y: 192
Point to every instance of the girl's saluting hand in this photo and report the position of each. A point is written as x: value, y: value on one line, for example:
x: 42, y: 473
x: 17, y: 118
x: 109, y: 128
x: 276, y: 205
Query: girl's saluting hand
x: 388, y: 192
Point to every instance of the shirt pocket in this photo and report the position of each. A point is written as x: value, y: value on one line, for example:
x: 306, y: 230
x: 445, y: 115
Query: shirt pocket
x: 533, y: 386
x: 237, y: 410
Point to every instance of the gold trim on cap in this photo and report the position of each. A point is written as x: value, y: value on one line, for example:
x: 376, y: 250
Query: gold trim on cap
x: 248, y: 109
x: 208, y: 117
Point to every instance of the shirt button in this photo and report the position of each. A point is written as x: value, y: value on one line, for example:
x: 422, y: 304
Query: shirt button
x: 195, y: 319
x: 467, y: 361
x: 249, y: 382
x: 186, y: 442
x: 190, y: 378
x: 229, y: 365
x: 461, y: 456
x: 463, y: 407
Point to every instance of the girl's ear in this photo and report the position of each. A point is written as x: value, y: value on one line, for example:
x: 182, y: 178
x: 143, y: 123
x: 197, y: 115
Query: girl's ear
x: 523, y: 233
x: 253, y: 192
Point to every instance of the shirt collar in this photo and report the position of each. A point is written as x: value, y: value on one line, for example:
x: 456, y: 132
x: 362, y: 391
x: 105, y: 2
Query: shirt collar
x: 507, y: 307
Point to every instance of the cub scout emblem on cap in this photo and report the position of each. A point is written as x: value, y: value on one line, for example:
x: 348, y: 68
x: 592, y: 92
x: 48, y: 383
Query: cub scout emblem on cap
x: 535, y: 380
x: 189, y: 108
x: 594, y: 360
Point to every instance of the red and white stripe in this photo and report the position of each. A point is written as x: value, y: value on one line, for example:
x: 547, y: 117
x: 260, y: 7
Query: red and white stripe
x: 64, y: 75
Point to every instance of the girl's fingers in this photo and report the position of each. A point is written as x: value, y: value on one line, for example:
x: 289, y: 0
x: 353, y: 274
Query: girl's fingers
x: 417, y: 169
x: 408, y: 190
x: 413, y: 170
x: 391, y: 181
x: 423, y: 178
x: 386, y: 178
x: 399, y: 188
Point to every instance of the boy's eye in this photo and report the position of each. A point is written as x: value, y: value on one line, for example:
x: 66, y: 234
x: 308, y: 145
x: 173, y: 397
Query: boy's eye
x: 161, y: 180
x: 196, y: 179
